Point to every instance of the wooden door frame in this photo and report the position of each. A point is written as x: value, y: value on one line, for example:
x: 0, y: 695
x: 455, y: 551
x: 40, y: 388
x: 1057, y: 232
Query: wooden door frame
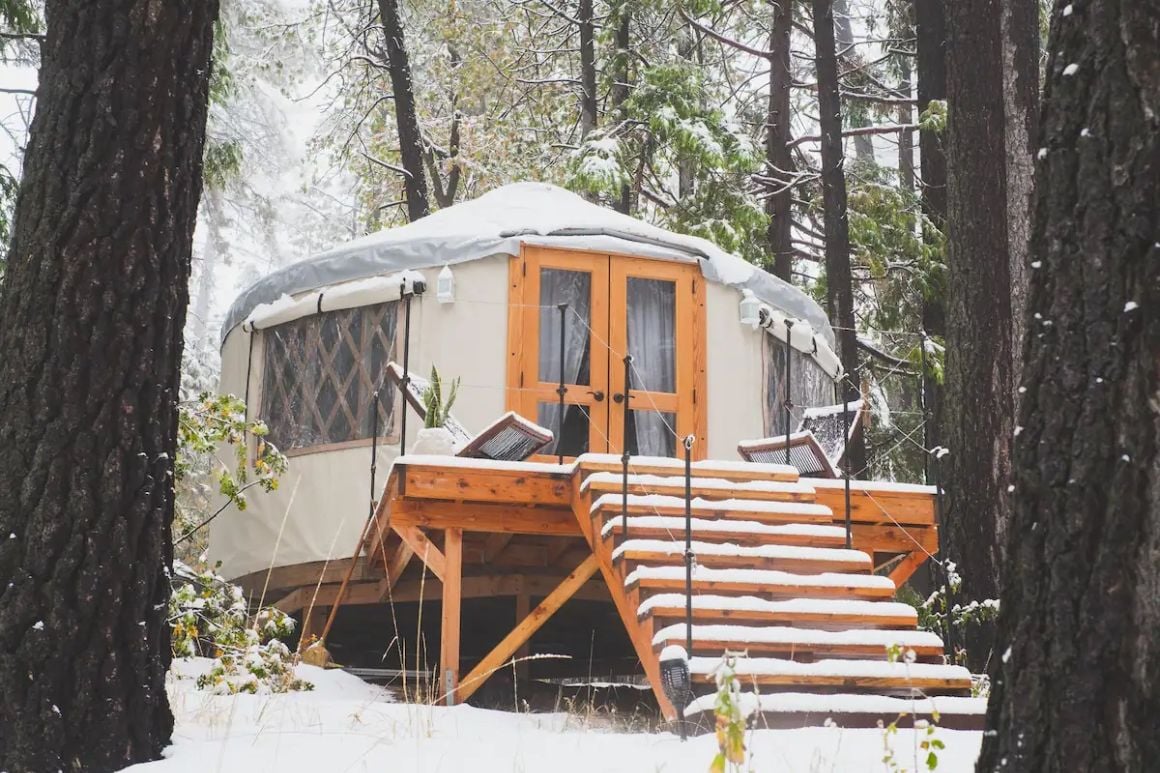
x: 523, y: 297
x: 524, y: 390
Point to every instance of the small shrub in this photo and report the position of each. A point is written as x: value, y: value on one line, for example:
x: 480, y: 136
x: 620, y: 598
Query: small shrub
x: 730, y: 720
x: 209, y: 618
x: 437, y: 406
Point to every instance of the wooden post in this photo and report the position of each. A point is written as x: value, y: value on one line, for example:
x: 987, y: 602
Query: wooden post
x: 452, y: 597
x: 523, y: 608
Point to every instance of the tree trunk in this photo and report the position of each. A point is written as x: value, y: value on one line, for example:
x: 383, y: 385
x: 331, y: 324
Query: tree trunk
x: 978, y: 421
x: 1020, y: 30
x: 905, y: 137
x: 930, y: 26
x: 619, y: 93
x: 91, y: 318
x: 1078, y: 686
x: 406, y: 119
x: 587, y: 68
x: 844, y: 38
x: 839, y: 288
x: 778, y: 160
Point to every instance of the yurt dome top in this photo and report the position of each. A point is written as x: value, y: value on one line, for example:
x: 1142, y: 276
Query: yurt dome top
x: 498, y: 222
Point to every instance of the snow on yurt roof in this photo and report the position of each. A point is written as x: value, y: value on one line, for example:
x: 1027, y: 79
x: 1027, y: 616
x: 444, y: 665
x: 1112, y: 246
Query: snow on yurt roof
x: 498, y: 222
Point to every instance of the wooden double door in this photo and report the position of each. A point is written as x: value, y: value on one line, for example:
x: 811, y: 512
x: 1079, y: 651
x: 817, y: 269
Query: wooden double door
x: 574, y: 316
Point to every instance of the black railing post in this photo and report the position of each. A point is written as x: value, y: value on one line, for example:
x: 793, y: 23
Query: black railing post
x: 624, y: 457
x: 788, y: 385
x: 374, y: 446
x: 927, y: 433
x: 562, y: 389
x: 689, y: 439
x: 405, y: 384
x: 937, y: 454
x: 846, y: 461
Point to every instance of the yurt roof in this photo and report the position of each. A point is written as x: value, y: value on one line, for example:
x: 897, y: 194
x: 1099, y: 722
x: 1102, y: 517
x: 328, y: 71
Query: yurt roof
x: 498, y: 222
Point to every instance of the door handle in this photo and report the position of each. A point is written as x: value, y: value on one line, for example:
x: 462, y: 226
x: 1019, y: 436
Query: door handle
x: 618, y: 397
x: 598, y: 396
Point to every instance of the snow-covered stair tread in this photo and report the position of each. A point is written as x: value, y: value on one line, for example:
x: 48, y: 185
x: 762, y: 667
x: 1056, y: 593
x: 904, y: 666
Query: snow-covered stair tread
x: 709, y: 468
x: 836, y: 672
x: 763, y: 580
x: 737, y: 531
x: 728, y: 555
x: 769, y: 638
x: 664, y: 504
x: 844, y: 703
x: 675, y: 486
x: 752, y: 608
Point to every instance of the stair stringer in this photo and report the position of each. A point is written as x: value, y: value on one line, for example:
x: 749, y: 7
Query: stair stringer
x: 639, y: 632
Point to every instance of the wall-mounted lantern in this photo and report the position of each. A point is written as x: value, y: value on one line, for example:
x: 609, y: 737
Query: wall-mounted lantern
x: 750, y: 309
x: 445, y: 286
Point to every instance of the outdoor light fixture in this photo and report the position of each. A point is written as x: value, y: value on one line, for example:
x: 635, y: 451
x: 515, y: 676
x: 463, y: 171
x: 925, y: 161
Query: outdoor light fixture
x: 445, y: 286
x: 750, y: 309
x: 675, y: 681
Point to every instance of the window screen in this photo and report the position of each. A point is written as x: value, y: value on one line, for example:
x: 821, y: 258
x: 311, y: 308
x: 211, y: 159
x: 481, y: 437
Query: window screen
x: 320, y: 373
x: 811, y: 386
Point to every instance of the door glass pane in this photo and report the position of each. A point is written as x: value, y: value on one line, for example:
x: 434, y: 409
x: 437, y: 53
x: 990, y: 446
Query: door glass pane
x: 575, y: 289
x: 571, y: 434
x: 651, y: 433
x: 652, y: 333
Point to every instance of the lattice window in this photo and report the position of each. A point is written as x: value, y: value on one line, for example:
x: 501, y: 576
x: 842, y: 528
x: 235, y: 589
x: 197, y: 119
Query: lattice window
x: 321, y: 372
x: 811, y: 386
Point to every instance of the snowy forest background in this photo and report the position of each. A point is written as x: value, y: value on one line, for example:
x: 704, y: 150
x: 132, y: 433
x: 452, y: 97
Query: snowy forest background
x: 656, y: 108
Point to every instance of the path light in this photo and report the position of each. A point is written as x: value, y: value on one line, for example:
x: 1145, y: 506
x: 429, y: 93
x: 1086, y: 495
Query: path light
x: 750, y: 309
x: 445, y: 286
x: 675, y: 680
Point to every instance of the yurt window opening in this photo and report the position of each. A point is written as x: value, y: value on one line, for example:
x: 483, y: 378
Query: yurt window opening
x: 811, y: 386
x: 320, y: 375
x: 575, y: 289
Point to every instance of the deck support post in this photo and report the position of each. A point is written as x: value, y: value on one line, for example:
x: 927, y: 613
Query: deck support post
x: 523, y: 609
x: 452, y: 603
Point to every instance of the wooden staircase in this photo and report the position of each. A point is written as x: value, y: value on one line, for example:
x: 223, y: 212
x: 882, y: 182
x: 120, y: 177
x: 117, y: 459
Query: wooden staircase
x: 809, y: 626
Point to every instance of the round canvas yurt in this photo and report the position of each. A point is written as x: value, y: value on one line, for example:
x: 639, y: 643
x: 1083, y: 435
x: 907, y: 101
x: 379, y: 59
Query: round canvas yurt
x: 510, y: 294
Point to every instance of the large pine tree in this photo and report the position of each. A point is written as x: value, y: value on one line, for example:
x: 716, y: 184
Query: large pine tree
x: 1077, y: 687
x: 91, y: 318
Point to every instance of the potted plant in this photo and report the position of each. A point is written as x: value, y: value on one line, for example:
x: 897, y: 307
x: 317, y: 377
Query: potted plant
x: 435, y: 438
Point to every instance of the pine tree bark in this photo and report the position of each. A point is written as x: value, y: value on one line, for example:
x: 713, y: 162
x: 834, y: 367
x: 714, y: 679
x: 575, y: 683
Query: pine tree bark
x: 839, y: 287
x: 1078, y: 685
x: 978, y: 420
x: 406, y: 116
x: 1020, y: 34
x: 91, y: 318
x: 778, y: 160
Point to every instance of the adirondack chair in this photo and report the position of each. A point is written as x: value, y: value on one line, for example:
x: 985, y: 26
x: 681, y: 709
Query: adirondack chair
x: 816, y: 448
x: 510, y: 438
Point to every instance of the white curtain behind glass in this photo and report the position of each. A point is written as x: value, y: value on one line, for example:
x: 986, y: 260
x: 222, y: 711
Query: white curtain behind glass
x: 652, y: 344
x: 574, y: 288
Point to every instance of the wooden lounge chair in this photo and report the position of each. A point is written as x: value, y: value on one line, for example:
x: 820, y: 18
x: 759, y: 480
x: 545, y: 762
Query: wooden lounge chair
x: 510, y: 438
x: 816, y: 448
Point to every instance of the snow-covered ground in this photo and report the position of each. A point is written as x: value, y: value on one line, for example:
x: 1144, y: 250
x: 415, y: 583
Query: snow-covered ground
x: 348, y: 725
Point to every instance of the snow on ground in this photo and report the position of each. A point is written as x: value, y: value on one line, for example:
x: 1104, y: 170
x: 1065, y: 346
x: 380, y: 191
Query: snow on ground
x: 348, y: 725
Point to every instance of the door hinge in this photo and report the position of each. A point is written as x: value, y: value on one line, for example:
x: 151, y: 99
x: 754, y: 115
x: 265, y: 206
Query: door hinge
x: 521, y: 379
x: 523, y: 268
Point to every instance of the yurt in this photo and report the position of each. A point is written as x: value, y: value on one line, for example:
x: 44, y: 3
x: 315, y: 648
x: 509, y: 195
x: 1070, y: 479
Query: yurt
x: 641, y: 459
x: 309, y: 345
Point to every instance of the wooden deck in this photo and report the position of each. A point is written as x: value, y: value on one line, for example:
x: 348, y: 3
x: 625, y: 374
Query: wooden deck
x: 774, y: 578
